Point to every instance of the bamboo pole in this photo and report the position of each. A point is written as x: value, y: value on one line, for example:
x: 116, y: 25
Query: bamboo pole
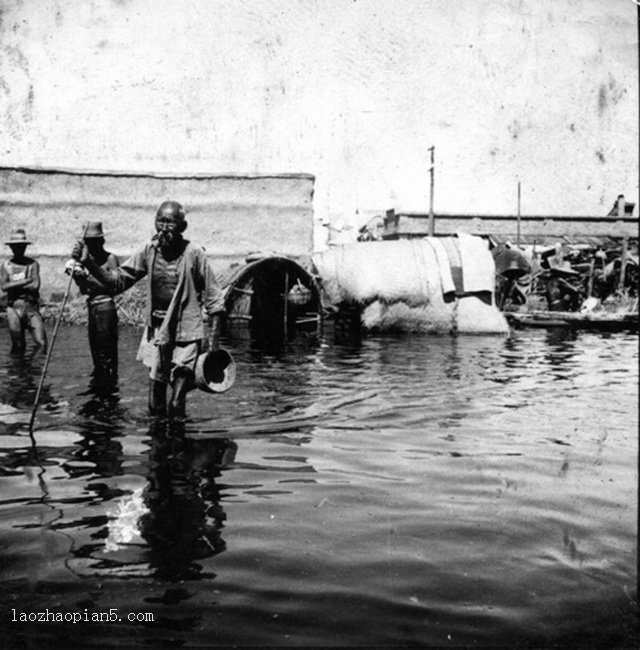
x: 50, y: 350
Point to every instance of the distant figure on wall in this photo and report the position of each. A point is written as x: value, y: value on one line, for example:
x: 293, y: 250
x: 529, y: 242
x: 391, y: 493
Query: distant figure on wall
x: 621, y: 208
x: 101, y: 308
x: 20, y: 279
x: 181, y: 285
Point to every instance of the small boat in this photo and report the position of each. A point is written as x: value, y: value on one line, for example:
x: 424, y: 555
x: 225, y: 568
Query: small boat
x: 604, y: 321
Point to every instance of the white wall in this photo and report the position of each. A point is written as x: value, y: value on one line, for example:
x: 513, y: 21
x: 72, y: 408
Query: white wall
x: 352, y: 91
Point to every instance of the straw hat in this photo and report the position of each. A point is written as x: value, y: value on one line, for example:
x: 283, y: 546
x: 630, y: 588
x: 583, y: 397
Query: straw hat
x: 562, y: 269
x: 510, y: 262
x: 93, y: 230
x: 515, y: 270
x: 17, y: 236
x: 215, y: 371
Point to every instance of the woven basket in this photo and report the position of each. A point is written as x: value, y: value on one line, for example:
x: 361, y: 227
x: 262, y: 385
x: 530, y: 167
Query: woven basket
x: 299, y: 294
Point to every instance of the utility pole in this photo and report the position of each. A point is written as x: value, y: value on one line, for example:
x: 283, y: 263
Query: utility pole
x: 518, y: 222
x: 431, y: 172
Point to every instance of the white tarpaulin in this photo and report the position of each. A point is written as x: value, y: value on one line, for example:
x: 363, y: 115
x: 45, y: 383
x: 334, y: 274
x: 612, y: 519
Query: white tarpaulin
x: 442, y: 284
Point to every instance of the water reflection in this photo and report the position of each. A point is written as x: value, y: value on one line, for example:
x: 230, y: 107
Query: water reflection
x: 102, y: 403
x: 380, y: 486
x: 453, y: 362
x: 19, y: 382
x: 561, y: 352
x: 560, y: 335
x: 97, y: 453
x: 184, y: 519
x: 166, y: 527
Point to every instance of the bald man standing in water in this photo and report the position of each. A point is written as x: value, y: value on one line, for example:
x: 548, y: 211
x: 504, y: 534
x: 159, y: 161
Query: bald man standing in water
x: 180, y: 285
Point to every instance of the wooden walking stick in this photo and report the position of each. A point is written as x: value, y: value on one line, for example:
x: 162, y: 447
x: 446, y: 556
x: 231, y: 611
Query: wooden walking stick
x: 53, y: 339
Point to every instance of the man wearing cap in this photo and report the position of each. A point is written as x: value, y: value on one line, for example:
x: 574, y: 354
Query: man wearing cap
x: 20, y: 279
x: 102, y: 312
x: 180, y: 285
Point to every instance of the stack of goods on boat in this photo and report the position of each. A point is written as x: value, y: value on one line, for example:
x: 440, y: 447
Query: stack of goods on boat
x: 585, y: 285
x: 441, y: 285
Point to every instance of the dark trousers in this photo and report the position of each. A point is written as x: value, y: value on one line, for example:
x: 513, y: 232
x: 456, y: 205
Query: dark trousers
x: 103, y: 338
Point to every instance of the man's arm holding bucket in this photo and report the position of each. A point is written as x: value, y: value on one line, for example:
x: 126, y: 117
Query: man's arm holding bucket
x: 213, y: 302
x: 214, y: 332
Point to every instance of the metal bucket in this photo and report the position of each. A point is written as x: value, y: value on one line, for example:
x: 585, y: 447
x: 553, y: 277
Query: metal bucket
x: 215, y: 371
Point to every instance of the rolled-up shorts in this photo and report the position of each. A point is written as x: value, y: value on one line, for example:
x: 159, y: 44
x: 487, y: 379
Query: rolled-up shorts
x: 23, y: 314
x: 164, y: 360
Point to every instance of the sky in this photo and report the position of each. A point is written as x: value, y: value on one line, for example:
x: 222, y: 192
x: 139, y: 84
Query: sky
x: 541, y: 92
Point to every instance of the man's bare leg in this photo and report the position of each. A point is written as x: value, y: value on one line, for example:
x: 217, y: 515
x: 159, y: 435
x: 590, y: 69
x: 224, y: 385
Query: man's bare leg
x: 157, y: 397
x: 16, y: 330
x: 179, y: 390
x: 39, y: 332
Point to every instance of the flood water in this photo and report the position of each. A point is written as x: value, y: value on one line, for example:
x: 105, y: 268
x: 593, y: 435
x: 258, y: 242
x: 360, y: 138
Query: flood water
x: 405, y: 491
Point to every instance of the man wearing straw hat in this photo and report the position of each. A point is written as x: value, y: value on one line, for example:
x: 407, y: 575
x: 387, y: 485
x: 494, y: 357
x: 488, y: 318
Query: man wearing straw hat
x: 20, y: 279
x: 102, y: 312
x: 180, y: 285
x: 561, y: 292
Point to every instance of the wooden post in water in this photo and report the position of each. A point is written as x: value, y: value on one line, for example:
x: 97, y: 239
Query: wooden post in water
x: 623, y: 254
x: 431, y: 184
x: 623, y: 263
x: 592, y: 269
x: 286, y: 303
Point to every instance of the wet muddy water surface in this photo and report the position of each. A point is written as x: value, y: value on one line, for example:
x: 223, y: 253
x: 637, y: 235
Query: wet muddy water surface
x: 404, y: 491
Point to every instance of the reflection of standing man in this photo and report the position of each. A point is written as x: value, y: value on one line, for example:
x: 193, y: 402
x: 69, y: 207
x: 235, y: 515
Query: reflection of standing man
x: 181, y: 284
x: 18, y: 387
x: 185, y: 518
x: 101, y: 308
x: 20, y: 278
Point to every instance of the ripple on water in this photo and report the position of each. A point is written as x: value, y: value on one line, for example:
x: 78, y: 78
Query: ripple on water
x: 410, y: 490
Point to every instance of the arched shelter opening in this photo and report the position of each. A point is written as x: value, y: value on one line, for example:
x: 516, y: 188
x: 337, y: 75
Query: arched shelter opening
x: 272, y: 299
